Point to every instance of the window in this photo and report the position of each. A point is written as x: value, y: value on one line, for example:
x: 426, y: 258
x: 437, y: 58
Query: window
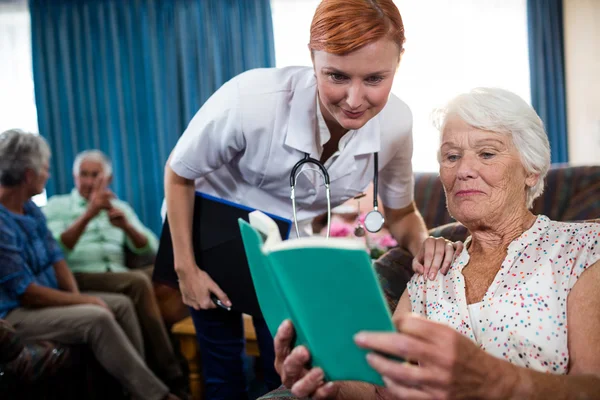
x: 451, y: 46
x: 17, y: 101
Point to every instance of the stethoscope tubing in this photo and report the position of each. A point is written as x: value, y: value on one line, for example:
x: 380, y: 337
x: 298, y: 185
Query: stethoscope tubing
x: 323, y: 172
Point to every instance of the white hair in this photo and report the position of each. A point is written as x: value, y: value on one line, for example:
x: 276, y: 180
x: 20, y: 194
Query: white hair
x: 92, y: 155
x: 20, y: 151
x: 501, y: 111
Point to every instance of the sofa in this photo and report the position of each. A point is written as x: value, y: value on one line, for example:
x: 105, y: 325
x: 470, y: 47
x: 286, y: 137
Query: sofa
x: 571, y: 194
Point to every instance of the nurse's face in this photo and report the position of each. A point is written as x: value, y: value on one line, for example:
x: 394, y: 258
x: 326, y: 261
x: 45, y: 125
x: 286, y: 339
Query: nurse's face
x: 353, y: 88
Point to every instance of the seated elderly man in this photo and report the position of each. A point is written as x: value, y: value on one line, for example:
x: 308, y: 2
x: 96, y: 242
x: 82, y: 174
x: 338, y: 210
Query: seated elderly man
x: 93, y: 228
x: 38, y: 293
x: 518, y: 314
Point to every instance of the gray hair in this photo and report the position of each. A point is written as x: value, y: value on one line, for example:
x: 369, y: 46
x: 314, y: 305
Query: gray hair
x: 501, y: 111
x: 92, y: 155
x: 20, y: 151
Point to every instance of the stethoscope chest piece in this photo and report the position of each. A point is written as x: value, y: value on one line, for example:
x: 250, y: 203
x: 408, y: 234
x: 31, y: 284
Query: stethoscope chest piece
x: 374, y: 221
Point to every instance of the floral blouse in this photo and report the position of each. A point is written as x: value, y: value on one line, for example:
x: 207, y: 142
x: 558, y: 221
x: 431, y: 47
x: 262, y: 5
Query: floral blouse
x: 523, y: 315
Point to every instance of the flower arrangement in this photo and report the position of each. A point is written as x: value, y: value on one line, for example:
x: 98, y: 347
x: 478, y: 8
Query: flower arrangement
x: 376, y: 243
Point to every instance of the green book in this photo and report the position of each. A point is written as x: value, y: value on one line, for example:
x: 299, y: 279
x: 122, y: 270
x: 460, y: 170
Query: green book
x: 327, y: 287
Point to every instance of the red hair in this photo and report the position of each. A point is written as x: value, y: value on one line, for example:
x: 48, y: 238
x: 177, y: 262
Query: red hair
x: 342, y: 26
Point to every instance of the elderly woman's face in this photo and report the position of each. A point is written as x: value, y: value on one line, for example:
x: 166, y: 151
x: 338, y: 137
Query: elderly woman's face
x: 481, y: 172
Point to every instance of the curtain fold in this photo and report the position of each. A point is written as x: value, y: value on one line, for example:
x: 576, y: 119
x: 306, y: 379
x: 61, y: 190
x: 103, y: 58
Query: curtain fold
x: 126, y: 77
x: 547, y: 72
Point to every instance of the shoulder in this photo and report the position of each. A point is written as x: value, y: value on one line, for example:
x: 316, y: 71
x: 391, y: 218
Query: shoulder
x: 56, y: 203
x: 32, y: 210
x: 396, y: 119
x: 122, y: 205
x: 253, y: 95
x: 584, y: 234
x: 267, y: 96
x: 578, y: 244
x: 273, y: 81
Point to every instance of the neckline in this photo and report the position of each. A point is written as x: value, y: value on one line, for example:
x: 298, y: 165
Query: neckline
x: 514, y: 251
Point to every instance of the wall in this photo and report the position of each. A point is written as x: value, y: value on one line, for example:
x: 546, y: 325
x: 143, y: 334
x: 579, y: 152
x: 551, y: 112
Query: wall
x: 582, y: 73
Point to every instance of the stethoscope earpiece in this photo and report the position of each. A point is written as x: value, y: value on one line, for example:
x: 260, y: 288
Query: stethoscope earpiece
x: 374, y: 219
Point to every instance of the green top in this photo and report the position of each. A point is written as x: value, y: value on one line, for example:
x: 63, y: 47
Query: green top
x: 100, y: 247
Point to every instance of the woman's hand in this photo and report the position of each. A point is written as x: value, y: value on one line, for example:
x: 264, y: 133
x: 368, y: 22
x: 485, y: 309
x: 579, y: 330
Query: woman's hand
x: 435, y: 254
x: 196, y: 287
x: 292, y: 366
x: 449, y: 364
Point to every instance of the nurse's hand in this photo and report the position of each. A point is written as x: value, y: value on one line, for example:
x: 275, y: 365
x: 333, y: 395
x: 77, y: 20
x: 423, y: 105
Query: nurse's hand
x: 436, y: 254
x: 196, y: 287
x: 292, y: 364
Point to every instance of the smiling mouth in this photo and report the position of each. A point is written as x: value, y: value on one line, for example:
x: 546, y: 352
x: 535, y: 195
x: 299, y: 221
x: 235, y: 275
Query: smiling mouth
x: 351, y: 114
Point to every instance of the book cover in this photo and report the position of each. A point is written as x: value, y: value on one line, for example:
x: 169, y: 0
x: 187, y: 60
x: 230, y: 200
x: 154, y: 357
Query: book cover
x: 327, y: 287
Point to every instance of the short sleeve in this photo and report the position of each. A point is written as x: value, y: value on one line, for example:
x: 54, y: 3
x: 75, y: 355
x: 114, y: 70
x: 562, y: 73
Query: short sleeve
x: 396, y: 180
x: 213, y: 137
x: 589, y: 253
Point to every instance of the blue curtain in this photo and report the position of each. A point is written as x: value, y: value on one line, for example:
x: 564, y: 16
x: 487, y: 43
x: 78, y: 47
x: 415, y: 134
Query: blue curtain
x: 126, y: 77
x: 547, y: 71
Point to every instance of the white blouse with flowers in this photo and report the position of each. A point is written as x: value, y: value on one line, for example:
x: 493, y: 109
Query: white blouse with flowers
x: 523, y: 315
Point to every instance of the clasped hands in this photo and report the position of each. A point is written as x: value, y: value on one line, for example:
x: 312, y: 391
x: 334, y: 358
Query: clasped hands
x: 100, y: 199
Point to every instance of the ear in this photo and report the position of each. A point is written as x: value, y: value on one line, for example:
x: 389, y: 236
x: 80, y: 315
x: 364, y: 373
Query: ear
x: 30, y: 175
x: 532, y: 179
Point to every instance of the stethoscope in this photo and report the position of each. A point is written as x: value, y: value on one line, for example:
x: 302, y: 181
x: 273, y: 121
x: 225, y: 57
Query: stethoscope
x: 373, y: 220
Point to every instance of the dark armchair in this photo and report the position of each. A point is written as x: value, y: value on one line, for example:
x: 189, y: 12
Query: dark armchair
x: 571, y: 194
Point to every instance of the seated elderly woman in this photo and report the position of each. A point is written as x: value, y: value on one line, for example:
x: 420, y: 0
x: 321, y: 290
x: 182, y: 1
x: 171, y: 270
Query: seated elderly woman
x: 518, y: 314
x: 38, y: 293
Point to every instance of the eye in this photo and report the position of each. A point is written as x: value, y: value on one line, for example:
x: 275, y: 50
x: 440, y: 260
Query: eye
x: 373, y: 80
x: 452, y: 157
x: 487, y: 155
x: 337, y: 78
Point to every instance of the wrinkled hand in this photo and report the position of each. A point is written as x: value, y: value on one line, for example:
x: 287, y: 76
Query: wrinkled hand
x: 292, y: 366
x: 117, y: 218
x: 196, y: 286
x: 449, y: 364
x: 101, y: 196
x: 436, y: 254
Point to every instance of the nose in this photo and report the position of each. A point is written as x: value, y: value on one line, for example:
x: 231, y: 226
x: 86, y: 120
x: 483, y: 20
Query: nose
x: 355, y: 95
x: 467, y: 167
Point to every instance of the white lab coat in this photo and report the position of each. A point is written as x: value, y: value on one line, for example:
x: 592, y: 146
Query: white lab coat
x: 242, y: 144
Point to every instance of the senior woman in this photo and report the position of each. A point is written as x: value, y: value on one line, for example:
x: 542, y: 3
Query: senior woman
x: 518, y: 314
x: 38, y: 293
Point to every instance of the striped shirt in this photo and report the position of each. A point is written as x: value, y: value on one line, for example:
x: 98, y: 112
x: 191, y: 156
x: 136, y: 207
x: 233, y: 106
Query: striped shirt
x: 100, y: 247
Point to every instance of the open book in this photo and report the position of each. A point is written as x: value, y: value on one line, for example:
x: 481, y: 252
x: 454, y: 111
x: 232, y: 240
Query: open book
x: 326, y: 287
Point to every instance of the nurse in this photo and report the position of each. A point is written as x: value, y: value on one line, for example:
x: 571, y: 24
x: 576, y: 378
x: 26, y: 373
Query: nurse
x: 243, y: 143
